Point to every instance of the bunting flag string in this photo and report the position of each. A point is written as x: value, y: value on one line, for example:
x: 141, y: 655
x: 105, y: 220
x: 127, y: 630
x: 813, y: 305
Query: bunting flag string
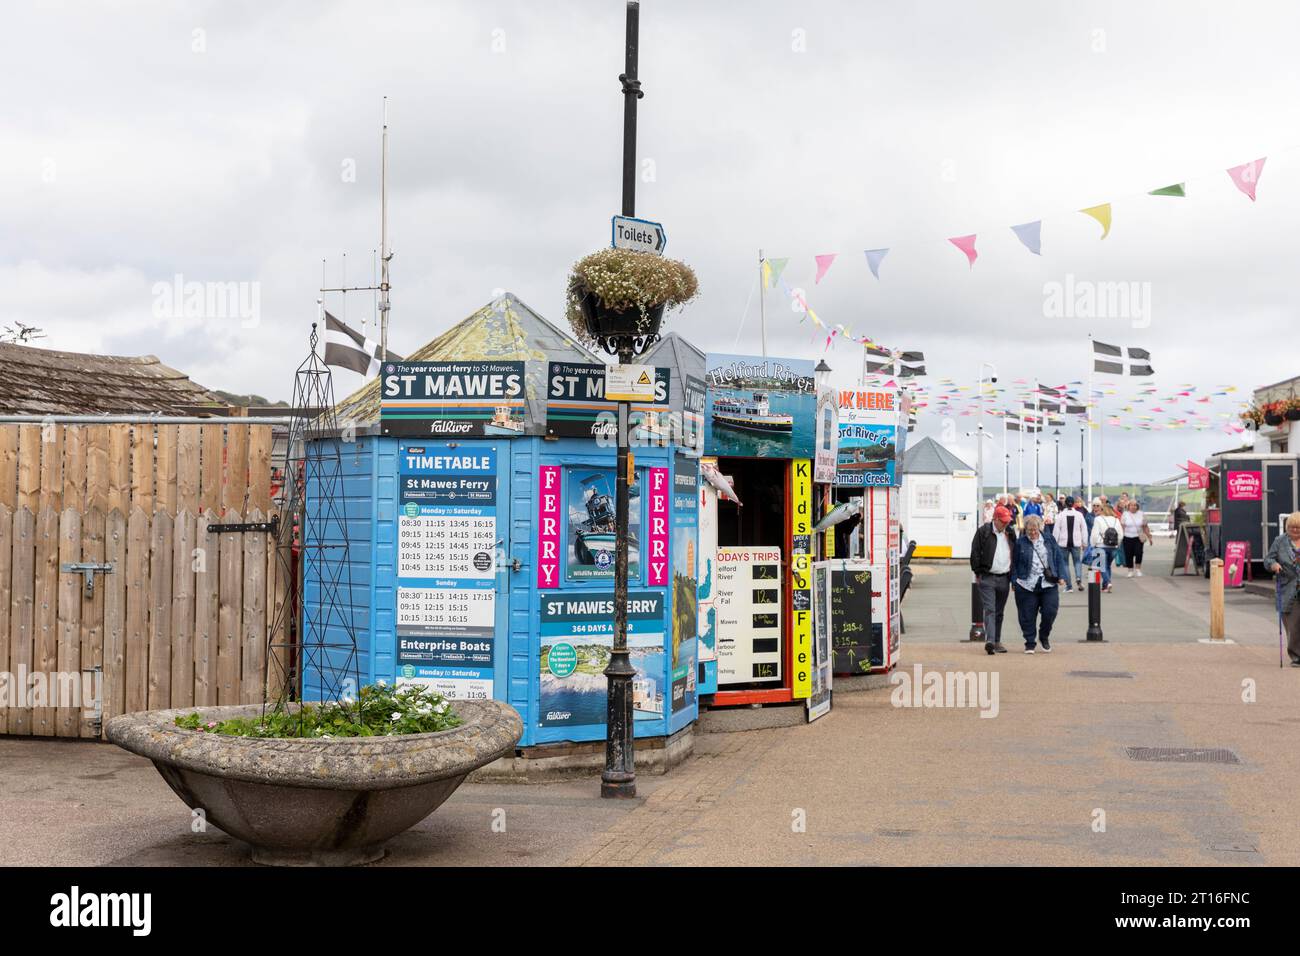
x: 1244, y: 177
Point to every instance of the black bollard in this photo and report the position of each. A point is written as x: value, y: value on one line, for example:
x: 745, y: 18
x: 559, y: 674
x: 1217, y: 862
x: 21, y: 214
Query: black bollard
x: 976, y: 612
x: 1094, y: 608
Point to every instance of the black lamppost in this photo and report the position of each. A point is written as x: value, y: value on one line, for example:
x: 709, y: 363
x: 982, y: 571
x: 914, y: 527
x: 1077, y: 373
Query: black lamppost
x: 619, y: 776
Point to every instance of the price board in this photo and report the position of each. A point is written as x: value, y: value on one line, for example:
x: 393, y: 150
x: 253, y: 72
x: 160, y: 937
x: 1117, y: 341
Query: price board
x: 447, y: 568
x: 748, y: 609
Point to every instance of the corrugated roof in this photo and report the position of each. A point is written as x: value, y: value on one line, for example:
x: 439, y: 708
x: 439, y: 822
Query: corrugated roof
x: 45, y: 382
x: 682, y: 358
x: 504, y: 329
x: 928, y: 457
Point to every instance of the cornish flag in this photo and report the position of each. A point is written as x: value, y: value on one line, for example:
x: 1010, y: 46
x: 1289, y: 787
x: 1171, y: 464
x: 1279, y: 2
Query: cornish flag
x: 883, y: 362
x: 345, y: 347
x: 1112, y: 360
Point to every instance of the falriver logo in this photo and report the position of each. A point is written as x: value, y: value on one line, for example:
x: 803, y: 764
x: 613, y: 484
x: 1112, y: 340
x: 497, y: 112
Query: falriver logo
x: 75, y: 909
x: 445, y: 427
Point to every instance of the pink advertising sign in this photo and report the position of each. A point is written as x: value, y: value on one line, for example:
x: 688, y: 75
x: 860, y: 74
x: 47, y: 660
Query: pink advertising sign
x: 1245, y: 486
x: 658, y: 505
x: 1235, y: 556
x: 549, y: 511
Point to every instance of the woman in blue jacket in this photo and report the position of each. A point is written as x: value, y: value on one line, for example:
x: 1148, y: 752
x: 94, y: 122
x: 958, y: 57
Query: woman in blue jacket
x: 1037, y: 568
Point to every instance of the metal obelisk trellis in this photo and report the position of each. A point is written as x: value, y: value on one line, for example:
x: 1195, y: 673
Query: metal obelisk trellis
x: 319, y: 642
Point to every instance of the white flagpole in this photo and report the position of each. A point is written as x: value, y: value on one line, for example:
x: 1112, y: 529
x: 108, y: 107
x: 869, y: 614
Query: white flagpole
x: 1020, y: 465
x: 762, y: 303
x: 1092, y: 361
x: 1004, y: 453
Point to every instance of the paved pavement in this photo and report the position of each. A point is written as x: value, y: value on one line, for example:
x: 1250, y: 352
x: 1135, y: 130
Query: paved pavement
x: 1046, y: 781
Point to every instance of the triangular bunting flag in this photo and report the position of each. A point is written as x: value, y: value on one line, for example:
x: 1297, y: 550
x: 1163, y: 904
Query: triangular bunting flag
x: 1175, y: 190
x: 767, y: 276
x: 1030, y: 234
x: 823, y: 264
x: 874, y: 258
x: 967, y: 245
x: 1246, y: 176
x: 1102, y: 215
x: 775, y: 267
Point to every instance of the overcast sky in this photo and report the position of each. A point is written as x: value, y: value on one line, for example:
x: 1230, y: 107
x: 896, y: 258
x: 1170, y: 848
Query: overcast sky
x: 214, y: 142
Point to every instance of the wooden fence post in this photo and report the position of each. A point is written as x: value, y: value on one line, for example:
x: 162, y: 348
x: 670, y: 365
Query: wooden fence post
x: 1216, y: 599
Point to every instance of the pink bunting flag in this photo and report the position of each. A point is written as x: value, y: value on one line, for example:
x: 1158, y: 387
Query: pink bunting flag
x: 1246, y: 176
x: 967, y: 245
x: 824, y: 264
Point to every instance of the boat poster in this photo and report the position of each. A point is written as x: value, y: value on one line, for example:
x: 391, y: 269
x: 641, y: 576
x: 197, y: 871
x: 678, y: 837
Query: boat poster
x: 447, y: 568
x: 759, y: 407
x: 869, y: 424
x: 589, y: 499
x: 576, y: 406
x: 577, y: 635
x: 685, y: 589
x: 453, y: 399
x: 706, y: 593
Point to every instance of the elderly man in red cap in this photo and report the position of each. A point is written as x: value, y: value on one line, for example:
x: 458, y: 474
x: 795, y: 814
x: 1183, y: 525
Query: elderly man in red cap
x: 990, y: 559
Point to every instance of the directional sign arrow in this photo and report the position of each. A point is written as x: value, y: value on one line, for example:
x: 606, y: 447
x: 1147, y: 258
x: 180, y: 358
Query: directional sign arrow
x: 639, y: 235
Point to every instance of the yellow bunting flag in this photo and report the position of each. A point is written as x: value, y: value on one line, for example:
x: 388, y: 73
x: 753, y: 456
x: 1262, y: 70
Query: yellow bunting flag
x: 1102, y: 215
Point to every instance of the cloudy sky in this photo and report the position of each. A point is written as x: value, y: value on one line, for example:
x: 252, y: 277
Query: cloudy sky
x: 239, y: 142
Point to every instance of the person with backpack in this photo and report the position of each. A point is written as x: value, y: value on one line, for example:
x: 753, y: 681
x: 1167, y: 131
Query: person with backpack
x: 1070, y: 532
x: 1039, y: 566
x: 1105, y: 540
x: 990, y: 558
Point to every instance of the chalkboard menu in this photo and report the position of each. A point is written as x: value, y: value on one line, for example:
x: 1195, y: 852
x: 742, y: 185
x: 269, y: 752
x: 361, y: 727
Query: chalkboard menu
x: 855, y: 641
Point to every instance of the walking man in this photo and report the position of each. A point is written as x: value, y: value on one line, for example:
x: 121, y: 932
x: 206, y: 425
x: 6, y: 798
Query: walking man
x: 1071, y: 534
x: 990, y: 559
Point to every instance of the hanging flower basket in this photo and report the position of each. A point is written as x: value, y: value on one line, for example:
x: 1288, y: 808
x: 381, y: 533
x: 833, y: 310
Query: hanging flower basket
x: 617, y: 295
x: 1273, y: 418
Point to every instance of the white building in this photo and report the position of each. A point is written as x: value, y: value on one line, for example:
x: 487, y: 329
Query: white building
x: 940, y: 503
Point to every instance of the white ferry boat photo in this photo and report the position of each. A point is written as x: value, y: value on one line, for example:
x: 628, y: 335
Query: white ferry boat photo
x: 752, y: 414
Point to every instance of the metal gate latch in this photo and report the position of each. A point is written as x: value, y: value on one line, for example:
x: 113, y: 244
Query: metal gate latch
x: 87, y: 571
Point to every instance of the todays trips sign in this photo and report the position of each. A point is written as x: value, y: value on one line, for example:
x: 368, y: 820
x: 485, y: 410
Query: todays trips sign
x: 446, y: 399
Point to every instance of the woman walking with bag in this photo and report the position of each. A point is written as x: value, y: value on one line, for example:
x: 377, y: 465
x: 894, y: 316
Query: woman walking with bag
x: 1037, y: 571
x: 1136, y: 532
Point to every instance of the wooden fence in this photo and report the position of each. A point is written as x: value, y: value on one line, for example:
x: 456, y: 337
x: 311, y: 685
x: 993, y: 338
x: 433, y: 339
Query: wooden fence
x: 143, y: 465
x: 182, y: 619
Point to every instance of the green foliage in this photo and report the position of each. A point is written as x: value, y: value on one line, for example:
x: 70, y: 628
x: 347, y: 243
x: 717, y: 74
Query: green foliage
x: 378, y: 711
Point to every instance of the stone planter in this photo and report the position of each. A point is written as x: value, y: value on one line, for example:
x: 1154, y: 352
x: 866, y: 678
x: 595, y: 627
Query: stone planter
x: 318, y: 802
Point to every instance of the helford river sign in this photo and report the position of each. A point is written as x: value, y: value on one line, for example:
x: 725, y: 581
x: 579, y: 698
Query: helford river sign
x: 639, y: 235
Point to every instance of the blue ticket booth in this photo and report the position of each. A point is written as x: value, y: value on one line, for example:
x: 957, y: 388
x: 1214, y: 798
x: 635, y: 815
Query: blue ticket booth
x: 482, y: 567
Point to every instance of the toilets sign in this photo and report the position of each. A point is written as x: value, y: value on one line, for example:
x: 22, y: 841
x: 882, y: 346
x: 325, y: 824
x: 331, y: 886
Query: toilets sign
x: 638, y: 235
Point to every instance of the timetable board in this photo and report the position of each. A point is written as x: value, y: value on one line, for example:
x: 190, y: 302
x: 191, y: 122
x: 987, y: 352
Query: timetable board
x: 446, y: 568
x: 747, y: 607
